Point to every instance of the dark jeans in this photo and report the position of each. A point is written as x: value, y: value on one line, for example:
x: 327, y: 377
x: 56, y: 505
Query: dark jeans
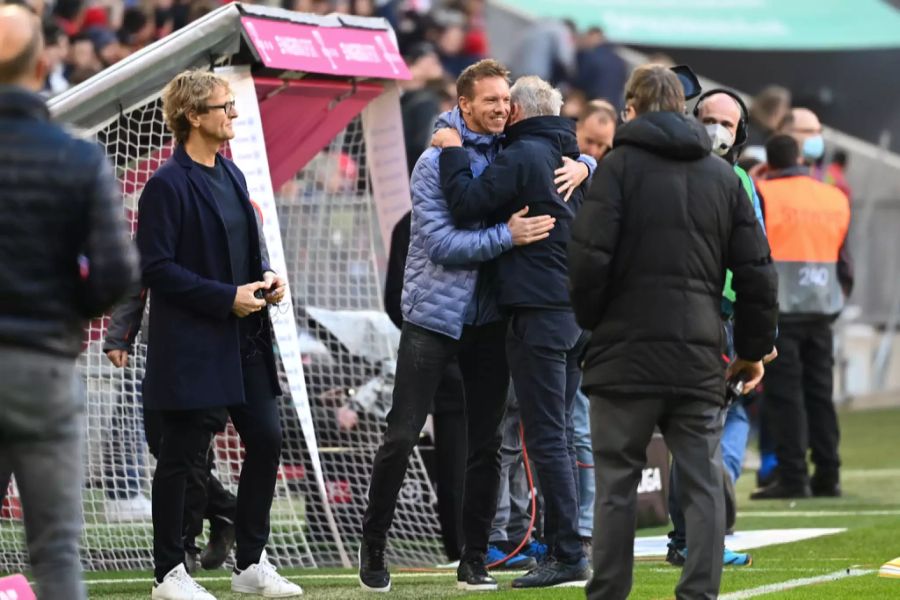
x: 184, y: 452
x: 450, y: 457
x: 799, y: 408
x: 204, y: 495
x: 621, y: 428
x: 544, y: 347
x: 421, y: 362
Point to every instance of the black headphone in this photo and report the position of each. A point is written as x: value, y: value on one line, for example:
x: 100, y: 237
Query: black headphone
x: 740, y: 136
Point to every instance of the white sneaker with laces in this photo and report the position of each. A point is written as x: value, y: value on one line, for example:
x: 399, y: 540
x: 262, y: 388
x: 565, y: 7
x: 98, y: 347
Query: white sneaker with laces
x: 178, y: 585
x: 124, y: 510
x: 264, y: 580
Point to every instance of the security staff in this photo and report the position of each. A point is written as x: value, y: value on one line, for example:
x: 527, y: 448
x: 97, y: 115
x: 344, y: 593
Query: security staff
x: 807, y: 222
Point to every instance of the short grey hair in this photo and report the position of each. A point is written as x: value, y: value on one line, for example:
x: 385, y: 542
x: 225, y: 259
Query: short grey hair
x: 535, y: 97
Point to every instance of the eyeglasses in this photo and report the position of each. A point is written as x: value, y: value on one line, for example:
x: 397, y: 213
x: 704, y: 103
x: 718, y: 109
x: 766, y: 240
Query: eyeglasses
x: 228, y: 107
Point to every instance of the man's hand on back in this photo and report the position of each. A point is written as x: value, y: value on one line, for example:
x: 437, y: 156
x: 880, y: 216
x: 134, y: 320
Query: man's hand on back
x: 570, y: 176
x: 527, y: 230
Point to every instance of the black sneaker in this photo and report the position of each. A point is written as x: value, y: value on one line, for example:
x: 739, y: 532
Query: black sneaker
x: 552, y: 573
x: 472, y: 576
x: 675, y: 557
x: 373, y: 571
x: 221, y: 540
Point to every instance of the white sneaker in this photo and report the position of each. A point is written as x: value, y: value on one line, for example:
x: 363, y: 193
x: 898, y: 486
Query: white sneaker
x: 136, y: 508
x: 178, y: 585
x: 263, y: 579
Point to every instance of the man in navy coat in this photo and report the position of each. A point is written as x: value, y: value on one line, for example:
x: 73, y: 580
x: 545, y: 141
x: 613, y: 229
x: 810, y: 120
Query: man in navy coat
x: 210, y: 352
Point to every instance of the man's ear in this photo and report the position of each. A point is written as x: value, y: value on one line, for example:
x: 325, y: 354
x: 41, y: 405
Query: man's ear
x: 464, y: 105
x: 514, y: 112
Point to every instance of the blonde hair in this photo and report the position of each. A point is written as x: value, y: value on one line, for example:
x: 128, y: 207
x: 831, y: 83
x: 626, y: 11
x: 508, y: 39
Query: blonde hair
x: 188, y: 92
x: 652, y: 88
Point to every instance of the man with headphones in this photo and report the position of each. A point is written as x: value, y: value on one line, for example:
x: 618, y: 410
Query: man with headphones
x: 724, y: 115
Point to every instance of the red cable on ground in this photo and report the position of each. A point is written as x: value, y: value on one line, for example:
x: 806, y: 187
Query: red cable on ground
x: 533, y: 503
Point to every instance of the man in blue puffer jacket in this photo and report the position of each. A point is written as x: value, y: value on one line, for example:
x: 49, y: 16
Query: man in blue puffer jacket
x: 448, y: 311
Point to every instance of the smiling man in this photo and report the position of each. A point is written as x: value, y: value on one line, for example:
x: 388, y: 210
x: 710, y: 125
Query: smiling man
x: 450, y: 310
x: 210, y: 352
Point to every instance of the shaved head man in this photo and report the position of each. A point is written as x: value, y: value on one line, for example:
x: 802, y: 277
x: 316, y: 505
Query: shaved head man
x: 21, y: 48
x: 803, y: 125
x: 720, y: 109
x: 596, y: 128
x: 60, y: 207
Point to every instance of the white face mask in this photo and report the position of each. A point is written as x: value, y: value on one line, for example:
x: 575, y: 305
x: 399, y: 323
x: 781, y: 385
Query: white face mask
x: 721, y: 138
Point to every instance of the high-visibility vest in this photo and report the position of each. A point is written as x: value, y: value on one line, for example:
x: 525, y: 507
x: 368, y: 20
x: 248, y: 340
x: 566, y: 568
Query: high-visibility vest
x: 807, y: 223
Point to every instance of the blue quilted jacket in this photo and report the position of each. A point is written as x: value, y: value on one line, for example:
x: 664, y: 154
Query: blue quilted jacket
x: 441, y: 291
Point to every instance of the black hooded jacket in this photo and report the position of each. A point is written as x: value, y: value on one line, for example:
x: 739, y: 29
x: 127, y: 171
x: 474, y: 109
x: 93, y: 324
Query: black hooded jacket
x: 660, y: 224
x: 535, y: 275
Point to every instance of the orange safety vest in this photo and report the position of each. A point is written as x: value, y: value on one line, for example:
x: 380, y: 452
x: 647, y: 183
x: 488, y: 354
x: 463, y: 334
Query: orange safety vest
x: 807, y: 222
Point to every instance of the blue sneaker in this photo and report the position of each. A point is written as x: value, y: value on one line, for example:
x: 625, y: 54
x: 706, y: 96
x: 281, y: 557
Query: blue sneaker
x: 535, y: 550
x: 736, y: 559
x: 519, y: 562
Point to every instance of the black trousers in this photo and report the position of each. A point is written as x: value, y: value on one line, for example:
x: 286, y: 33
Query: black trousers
x: 799, y: 408
x: 544, y: 347
x: 210, y: 501
x: 184, y: 452
x: 421, y: 362
x: 450, y: 457
x: 621, y: 429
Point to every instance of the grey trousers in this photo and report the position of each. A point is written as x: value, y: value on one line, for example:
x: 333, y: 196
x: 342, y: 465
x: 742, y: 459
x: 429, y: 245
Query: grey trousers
x: 621, y: 430
x: 511, y: 521
x: 41, y: 443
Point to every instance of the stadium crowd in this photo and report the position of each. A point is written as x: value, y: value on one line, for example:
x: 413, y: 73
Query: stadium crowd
x: 526, y: 281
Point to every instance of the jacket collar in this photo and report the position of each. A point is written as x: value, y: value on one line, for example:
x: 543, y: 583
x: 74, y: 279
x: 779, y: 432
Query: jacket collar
x: 15, y: 100
x: 789, y: 172
x: 454, y: 119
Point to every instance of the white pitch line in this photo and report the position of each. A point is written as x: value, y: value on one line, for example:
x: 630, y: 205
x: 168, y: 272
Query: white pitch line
x: 773, y: 588
x: 818, y: 513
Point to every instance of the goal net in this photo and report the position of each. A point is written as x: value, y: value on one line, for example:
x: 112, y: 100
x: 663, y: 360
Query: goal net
x: 335, y: 261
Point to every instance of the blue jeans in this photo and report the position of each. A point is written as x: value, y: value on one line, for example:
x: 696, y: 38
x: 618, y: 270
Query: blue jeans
x: 581, y: 419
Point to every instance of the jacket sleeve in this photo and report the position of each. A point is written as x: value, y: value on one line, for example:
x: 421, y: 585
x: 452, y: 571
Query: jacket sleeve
x: 755, y: 281
x: 125, y: 322
x: 595, y: 234
x: 470, y: 198
x: 393, y: 285
x: 108, y: 251
x: 159, y: 225
x: 445, y: 244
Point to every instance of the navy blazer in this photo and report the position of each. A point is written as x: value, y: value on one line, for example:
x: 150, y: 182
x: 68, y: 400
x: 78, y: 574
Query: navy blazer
x: 193, y: 352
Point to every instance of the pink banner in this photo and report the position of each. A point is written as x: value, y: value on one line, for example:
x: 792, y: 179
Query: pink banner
x: 15, y: 588
x: 331, y: 50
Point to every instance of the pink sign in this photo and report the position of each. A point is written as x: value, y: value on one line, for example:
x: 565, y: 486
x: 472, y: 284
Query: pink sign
x: 330, y: 50
x: 15, y: 588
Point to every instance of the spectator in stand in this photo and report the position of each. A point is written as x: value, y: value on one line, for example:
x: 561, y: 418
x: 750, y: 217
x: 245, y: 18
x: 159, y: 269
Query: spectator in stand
x: 56, y: 49
x: 66, y: 257
x: 451, y: 42
x: 601, y: 71
x: 807, y: 222
x: 546, y: 49
x: 767, y: 111
x: 419, y: 101
x: 137, y: 29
